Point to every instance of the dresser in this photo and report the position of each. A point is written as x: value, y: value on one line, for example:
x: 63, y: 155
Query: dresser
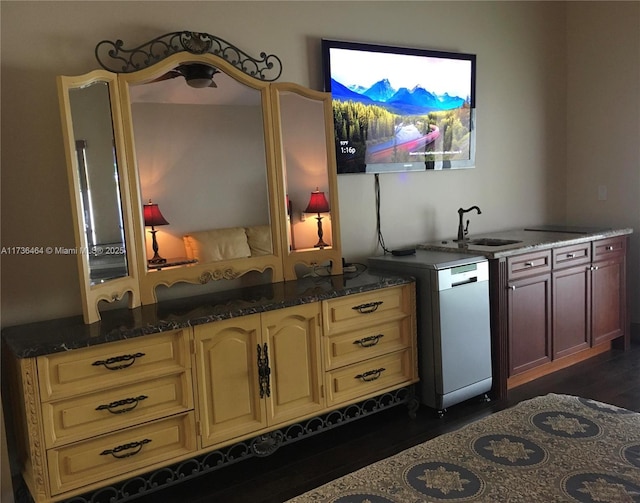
x: 104, y: 408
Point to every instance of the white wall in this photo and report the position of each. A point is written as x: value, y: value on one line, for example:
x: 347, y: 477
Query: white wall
x: 522, y: 141
x: 603, y: 121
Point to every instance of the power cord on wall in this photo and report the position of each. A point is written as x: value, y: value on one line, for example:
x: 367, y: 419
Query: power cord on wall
x: 398, y: 252
x: 378, y: 229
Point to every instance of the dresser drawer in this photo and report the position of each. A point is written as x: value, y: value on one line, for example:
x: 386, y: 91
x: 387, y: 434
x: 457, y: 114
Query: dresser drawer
x: 120, y: 453
x: 370, y: 377
x: 86, y: 416
x: 365, y: 309
x: 569, y: 256
x: 99, y: 367
x: 358, y: 345
x: 609, y: 248
x: 529, y: 264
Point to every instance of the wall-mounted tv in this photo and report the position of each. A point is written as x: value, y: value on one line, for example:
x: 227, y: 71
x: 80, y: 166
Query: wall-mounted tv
x: 400, y: 109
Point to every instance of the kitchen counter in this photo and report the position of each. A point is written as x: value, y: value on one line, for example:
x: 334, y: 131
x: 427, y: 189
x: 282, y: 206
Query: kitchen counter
x: 528, y: 239
x: 65, y: 334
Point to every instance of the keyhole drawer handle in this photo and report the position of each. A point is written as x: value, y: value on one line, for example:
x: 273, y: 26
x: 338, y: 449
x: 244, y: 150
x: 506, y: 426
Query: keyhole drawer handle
x: 371, y: 375
x: 109, y: 362
x: 367, y: 342
x: 369, y: 307
x: 136, y: 446
x: 112, y: 407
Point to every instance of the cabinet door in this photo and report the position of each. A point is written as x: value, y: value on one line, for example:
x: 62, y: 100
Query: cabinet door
x: 227, y: 379
x: 571, y: 310
x: 608, y: 302
x: 293, y: 345
x: 529, y: 323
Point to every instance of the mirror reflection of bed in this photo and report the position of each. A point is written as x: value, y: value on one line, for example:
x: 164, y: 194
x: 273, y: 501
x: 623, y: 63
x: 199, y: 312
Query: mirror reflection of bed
x: 201, y: 156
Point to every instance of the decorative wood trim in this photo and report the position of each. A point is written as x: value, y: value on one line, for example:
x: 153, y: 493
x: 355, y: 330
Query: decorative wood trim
x: 499, y: 303
x: 35, y: 468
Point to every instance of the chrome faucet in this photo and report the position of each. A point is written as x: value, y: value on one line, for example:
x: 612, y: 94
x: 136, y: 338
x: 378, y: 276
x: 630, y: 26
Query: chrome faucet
x: 463, y: 231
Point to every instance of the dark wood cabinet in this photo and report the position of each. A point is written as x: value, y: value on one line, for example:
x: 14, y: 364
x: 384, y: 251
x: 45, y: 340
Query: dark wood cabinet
x: 608, y: 285
x: 571, y: 292
x: 529, y: 322
x: 564, y: 301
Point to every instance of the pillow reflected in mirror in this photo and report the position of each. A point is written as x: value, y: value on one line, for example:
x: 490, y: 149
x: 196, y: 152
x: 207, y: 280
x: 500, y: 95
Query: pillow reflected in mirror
x: 217, y: 244
x: 259, y: 239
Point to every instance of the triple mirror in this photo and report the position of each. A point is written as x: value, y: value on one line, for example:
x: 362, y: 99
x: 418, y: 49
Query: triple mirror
x: 191, y: 170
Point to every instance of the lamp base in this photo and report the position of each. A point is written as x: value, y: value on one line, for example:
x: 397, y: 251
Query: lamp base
x: 157, y: 260
x: 320, y: 244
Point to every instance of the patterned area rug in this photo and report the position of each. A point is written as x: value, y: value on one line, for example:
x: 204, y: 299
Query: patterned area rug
x: 554, y: 448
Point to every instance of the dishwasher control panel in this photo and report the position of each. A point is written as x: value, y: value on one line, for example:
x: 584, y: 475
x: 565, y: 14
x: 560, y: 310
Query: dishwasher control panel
x: 462, y: 275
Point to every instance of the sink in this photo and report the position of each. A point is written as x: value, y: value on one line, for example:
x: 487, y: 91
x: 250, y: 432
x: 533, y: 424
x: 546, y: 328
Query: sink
x: 493, y: 242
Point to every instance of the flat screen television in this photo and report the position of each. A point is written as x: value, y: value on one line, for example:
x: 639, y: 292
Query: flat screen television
x: 400, y: 109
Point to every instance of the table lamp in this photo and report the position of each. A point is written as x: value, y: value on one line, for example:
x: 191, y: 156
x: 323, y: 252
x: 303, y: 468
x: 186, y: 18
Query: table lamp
x: 152, y: 218
x: 318, y: 204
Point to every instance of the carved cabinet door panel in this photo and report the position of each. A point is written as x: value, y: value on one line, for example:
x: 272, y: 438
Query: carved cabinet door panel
x: 293, y: 339
x: 229, y: 403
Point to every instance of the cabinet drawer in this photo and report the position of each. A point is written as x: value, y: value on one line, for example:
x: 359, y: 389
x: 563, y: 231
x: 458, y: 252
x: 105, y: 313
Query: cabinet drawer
x: 120, y: 453
x: 365, y: 309
x: 358, y: 345
x: 370, y: 377
x: 529, y: 264
x: 101, y: 412
x: 569, y: 256
x: 606, y: 248
x: 107, y: 365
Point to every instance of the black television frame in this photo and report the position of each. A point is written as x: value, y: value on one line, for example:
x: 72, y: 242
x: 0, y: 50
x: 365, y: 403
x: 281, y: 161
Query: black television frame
x: 356, y: 156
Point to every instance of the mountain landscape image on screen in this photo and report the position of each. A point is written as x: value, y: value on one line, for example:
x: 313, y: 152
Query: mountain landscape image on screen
x: 381, y: 125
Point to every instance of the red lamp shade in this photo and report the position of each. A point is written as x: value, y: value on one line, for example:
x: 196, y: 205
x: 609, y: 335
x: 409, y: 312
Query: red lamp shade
x: 318, y: 203
x: 152, y: 215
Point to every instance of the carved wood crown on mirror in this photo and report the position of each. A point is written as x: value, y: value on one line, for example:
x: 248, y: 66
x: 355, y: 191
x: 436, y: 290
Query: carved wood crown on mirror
x: 199, y: 127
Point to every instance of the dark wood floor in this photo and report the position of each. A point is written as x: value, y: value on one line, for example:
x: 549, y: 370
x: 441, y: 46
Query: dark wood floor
x: 612, y: 377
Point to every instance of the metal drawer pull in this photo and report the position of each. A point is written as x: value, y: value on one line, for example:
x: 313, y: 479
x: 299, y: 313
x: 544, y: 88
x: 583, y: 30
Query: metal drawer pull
x: 369, y: 307
x: 511, y: 287
x: 367, y: 342
x: 528, y: 264
x: 571, y: 255
x: 371, y: 375
x: 115, y: 452
x: 594, y: 267
x: 109, y: 362
x: 120, y: 403
x: 609, y: 248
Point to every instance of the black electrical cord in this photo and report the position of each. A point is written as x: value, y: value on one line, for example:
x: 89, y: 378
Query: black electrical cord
x: 378, y: 229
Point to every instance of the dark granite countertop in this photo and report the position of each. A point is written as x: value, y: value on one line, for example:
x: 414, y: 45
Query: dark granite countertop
x: 529, y: 239
x: 65, y: 334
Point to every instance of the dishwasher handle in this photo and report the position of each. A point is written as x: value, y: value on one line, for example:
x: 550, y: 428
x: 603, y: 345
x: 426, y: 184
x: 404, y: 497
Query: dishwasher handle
x: 474, y: 279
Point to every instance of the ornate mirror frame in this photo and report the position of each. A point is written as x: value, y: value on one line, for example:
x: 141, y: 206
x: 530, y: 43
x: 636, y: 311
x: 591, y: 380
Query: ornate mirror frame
x: 149, y: 62
x: 200, y: 273
x: 115, y: 288
x: 318, y: 150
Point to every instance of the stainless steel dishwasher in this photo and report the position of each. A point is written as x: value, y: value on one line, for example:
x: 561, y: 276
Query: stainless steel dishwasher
x: 454, y: 336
